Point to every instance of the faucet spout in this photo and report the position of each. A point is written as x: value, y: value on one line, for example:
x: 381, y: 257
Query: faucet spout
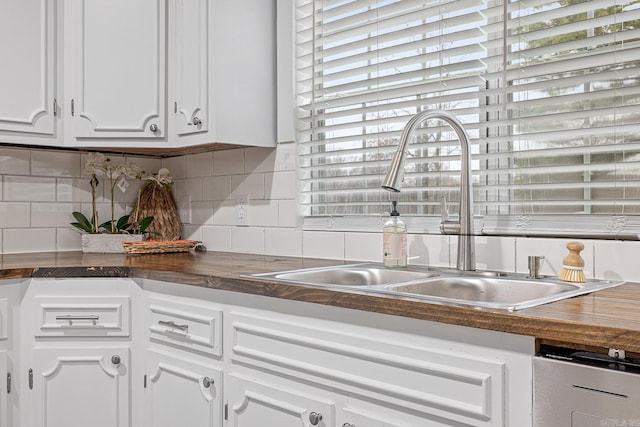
x: 464, y: 228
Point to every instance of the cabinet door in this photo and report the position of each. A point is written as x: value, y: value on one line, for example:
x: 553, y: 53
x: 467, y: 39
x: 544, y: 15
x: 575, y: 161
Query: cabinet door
x: 181, y: 392
x: 189, y: 61
x: 117, y: 50
x: 255, y: 403
x: 80, y: 387
x: 4, y: 415
x: 27, y: 49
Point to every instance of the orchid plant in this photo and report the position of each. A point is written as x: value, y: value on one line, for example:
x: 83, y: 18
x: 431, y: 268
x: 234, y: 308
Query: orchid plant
x: 99, y: 165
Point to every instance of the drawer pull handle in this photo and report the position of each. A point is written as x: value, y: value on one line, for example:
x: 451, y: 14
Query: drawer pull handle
x: 71, y: 318
x: 173, y: 325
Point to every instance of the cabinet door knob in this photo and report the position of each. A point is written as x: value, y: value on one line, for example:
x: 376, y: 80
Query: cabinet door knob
x: 153, y: 127
x: 207, y: 382
x: 196, y: 121
x: 115, y: 359
x: 315, y: 418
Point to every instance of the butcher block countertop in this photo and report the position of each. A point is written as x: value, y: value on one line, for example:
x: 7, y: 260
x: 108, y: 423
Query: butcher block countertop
x: 608, y: 318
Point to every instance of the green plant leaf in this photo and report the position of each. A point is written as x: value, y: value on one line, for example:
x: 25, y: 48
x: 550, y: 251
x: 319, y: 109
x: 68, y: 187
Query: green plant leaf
x: 82, y: 222
x: 144, y: 224
x: 123, y: 223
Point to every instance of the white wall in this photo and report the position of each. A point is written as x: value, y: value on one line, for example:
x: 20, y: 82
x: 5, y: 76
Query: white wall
x: 40, y: 189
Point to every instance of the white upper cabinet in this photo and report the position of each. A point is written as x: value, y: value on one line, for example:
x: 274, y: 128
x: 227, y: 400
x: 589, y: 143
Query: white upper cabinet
x: 189, y: 53
x: 27, y: 74
x: 116, y: 68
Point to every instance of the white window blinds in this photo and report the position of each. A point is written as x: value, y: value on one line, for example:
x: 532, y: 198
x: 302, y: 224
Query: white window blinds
x: 549, y: 92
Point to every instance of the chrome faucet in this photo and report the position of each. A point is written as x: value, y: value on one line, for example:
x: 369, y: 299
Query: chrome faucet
x: 464, y: 226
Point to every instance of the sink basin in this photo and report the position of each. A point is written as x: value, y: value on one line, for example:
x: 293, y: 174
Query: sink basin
x: 507, y: 293
x: 480, y: 289
x: 350, y: 275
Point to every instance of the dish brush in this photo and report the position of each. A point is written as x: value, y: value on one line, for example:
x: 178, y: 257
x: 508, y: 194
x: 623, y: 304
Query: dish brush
x: 573, y: 264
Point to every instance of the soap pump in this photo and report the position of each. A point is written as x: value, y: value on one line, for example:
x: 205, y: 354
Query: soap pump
x: 394, y: 237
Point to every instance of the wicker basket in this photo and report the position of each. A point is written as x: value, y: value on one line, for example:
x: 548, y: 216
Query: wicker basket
x: 159, y: 247
x: 157, y: 201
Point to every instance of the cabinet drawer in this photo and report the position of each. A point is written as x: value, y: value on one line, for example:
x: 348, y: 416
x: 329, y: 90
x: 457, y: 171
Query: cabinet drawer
x: 188, y: 325
x: 81, y: 316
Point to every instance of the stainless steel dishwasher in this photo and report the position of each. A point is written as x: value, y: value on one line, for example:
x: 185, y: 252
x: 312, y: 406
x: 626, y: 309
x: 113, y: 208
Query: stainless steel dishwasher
x: 583, y: 389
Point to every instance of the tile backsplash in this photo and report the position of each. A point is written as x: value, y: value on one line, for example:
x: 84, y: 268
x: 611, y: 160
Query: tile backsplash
x: 39, y: 189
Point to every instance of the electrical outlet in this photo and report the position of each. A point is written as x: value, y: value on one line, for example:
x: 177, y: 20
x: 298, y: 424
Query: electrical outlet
x: 184, y: 209
x: 242, y: 210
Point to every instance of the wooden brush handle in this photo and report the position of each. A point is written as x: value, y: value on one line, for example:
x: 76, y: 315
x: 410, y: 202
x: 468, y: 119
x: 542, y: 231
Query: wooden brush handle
x: 574, y: 259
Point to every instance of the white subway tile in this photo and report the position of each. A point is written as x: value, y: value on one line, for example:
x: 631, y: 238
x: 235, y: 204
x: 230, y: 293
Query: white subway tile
x: 131, y: 194
x: 228, y: 162
x: 429, y: 249
x: 199, y: 165
x: 616, y: 260
x: 280, y: 185
x: 263, y: 213
x: 259, y: 159
x: 321, y: 244
x: 15, y: 215
x: 283, y: 242
x: 75, y: 190
x: 201, y: 213
x: 224, y: 213
x: 68, y: 240
x: 492, y: 253
x: 176, y: 165
x: 247, y: 240
x: 190, y: 186
x: 15, y: 161
x: 192, y: 232
x: 287, y: 213
x: 26, y: 188
x: 148, y: 165
x: 217, y: 188
x: 44, y: 215
x: 21, y: 240
x: 217, y: 238
x: 363, y: 246
x: 55, y: 163
x: 253, y: 185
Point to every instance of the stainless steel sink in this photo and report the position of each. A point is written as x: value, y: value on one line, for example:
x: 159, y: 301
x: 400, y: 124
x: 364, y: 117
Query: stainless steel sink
x: 480, y: 289
x: 507, y: 293
x: 349, y: 275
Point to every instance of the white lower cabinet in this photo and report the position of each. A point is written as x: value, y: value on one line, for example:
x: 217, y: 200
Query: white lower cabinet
x: 181, y: 392
x: 255, y: 402
x: 79, y: 387
x: 120, y: 353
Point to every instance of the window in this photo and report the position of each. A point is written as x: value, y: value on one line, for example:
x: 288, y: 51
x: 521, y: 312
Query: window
x: 549, y: 92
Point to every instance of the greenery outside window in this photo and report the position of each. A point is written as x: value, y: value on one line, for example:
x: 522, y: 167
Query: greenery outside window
x: 549, y: 92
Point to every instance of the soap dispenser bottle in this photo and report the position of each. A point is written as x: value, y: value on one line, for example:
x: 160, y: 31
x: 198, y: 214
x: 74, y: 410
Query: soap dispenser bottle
x: 394, y: 240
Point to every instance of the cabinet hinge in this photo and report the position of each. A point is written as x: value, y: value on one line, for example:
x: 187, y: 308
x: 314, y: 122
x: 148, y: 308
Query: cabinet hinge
x: 175, y: 108
x: 8, y: 383
x: 30, y: 379
x: 55, y: 107
x: 226, y: 411
x: 73, y: 107
x: 145, y: 380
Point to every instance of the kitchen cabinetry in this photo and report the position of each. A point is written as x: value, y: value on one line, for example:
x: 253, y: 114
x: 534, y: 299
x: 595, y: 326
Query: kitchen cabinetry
x: 76, y: 365
x: 116, y: 70
x: 28, y: 76
x: 183, y: 372
x: 79, y: 387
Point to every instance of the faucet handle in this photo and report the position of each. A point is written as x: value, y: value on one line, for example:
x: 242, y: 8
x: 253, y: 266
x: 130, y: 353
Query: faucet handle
x: 534, y: 263
x: 447, y: 226
x: 444, y: 210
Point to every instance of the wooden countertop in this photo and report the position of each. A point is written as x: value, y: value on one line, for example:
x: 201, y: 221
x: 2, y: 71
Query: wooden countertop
x: 608, y: 318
